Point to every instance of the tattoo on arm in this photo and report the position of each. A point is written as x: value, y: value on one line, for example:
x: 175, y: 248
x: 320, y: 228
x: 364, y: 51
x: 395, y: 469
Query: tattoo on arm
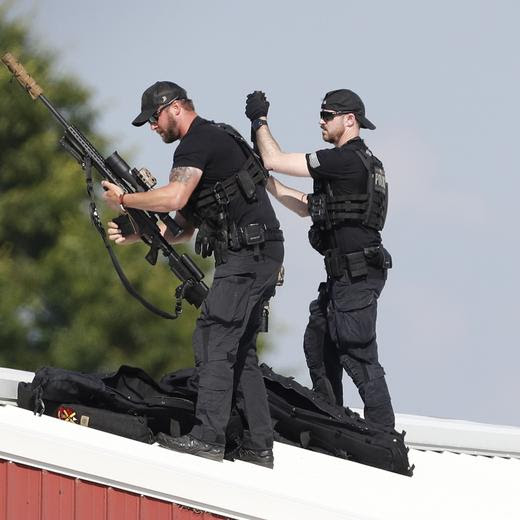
x: 183, y: 173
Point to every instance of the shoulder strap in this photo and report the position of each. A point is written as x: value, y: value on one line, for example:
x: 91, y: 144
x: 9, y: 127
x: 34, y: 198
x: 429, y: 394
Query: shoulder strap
x: 244, y: 145
x: 225, y: 191
x: 366, y: 157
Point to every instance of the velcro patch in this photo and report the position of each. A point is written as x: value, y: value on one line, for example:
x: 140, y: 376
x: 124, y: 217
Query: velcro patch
x: 313, y: 160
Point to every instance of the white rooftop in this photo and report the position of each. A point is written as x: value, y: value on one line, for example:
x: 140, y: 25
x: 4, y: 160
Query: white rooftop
x: 447, y: 483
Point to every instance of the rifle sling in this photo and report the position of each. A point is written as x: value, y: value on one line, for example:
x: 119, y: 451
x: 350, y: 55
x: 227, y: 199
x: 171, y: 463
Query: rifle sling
x: 94, y: 216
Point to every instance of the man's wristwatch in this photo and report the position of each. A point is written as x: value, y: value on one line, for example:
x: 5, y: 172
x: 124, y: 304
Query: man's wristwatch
x: 257, y: 123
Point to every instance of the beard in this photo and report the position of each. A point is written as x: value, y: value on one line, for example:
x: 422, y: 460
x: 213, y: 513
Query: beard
x: 326, y: 136
x: 171, y: 133
x: 332, y: 135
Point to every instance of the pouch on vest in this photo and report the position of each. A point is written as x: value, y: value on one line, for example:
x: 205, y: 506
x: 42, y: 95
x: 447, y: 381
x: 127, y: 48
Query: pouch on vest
x: 317, y: 204
x: 247, y: 185
x: 356, y: 264
x: 378, y: 257
x: 253, y: 234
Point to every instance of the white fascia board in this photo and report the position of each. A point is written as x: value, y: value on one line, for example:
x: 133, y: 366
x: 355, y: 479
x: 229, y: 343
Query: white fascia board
x: 472, y: 438
x: 432, y: 433
x: 9, y: 379
x: 303, y: 485
x: 234, y: 489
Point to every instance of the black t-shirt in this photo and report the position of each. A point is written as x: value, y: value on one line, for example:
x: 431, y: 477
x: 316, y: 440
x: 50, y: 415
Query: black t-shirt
x: 219, y: 156
x: 347, y: 175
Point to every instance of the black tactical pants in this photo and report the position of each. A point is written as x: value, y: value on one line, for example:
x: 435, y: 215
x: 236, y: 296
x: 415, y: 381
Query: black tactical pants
x: 341, y: 334
x: 225, y: 347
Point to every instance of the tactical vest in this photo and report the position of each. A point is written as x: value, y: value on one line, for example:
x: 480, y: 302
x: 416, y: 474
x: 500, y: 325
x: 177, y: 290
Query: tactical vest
x: 209, y: 209
x: 210, y: 202
x: 327, y: 210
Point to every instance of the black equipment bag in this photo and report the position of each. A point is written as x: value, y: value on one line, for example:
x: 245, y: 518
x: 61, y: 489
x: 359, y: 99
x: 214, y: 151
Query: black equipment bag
x: 128, y: 391
x: 300, y: 416
x: 306, y: 419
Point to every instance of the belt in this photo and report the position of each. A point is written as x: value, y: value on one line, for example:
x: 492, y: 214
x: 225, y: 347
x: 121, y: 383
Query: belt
x: 356, y: 263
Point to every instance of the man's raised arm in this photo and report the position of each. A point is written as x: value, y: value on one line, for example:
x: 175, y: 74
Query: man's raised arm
x: 274, y: 158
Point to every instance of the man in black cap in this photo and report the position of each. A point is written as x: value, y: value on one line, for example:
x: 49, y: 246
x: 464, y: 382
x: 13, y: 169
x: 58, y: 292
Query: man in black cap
x: 217, y: 185
x: 348, y: 210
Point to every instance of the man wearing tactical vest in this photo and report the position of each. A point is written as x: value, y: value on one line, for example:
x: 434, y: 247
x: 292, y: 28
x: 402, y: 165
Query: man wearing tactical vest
x: 348, y: 210
x: 217, y: 184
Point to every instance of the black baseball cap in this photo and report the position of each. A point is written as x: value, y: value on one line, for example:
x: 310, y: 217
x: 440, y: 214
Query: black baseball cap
x: 154, y: 97
x: 344, y: 100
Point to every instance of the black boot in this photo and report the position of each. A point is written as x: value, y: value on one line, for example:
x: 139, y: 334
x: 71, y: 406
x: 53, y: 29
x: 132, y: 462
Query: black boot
x: 191, y: 445
x: 261, y: 457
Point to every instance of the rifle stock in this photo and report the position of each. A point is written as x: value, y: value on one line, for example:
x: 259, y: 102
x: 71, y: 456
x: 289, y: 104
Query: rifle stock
x: 117, y: 171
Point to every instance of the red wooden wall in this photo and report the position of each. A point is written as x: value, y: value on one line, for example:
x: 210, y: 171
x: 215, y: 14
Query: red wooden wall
x: 28, y: 493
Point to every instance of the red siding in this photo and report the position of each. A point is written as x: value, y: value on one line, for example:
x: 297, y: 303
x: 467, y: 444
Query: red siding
x: 24, y: 488
x: 57, y: 496
x: 91, y: 501
x: 151, y: 508
x: 3, y: 489
x: 122, y: 505
x: 32, y: 494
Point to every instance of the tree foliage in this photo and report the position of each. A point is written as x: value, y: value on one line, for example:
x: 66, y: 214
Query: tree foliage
x: 61, y: 302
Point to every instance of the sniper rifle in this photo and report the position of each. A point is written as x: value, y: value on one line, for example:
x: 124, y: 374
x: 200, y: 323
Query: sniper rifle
x: 114, y: 169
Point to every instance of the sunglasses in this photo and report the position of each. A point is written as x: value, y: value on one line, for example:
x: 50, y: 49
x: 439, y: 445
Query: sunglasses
x: 328, y: 115
x: 154, y: 118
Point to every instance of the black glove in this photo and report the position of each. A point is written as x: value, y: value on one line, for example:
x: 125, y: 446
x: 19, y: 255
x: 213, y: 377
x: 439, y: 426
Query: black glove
x: 220, y: 248
x: 205, y: 241
x: 256, y: 105
x: 203, y: 246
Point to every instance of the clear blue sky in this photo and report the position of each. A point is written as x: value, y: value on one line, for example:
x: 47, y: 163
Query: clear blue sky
x: 441, y: 82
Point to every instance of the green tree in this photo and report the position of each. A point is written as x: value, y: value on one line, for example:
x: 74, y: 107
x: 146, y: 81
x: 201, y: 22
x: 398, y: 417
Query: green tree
x: 61, y: 302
